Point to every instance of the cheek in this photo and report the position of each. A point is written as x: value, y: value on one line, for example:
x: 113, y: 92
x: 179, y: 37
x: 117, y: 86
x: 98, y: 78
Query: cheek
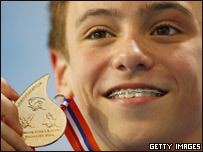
x: 85, y: 75
x: 185, y: 64
x: 183, y: 67
x: 87, y: 68
x: 90, y: 66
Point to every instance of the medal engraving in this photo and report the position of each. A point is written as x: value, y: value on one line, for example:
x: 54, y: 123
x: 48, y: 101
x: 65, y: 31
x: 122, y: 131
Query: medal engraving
x: 42, y: 120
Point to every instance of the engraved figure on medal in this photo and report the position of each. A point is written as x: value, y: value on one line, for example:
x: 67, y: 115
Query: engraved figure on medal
x: 42, y: 120
x: 26, y: 122
x: 51, y: 120
x: 36, y: 103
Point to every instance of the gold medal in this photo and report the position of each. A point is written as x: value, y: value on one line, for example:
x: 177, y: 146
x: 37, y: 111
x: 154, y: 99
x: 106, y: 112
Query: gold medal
x: 42, y: 120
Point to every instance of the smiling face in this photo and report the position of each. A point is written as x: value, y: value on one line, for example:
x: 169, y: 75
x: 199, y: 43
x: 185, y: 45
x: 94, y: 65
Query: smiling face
x: 136, y: 70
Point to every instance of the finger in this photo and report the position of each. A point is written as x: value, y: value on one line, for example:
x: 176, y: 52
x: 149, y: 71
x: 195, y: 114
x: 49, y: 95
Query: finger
x: 8, y: 91
x: 13, y: 139
x: 5, y: 146
x: 9, y: 113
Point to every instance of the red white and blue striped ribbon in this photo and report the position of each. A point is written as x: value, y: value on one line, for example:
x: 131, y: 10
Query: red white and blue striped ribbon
x: 77, y: 130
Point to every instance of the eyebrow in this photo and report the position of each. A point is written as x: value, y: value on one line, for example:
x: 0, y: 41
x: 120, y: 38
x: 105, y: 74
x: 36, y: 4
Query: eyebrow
x: 98, y: 12
x: 154, y: 7
x: 161, y: 6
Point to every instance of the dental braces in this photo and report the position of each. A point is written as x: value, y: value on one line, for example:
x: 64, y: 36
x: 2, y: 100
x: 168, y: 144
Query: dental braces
x: 158, y: 93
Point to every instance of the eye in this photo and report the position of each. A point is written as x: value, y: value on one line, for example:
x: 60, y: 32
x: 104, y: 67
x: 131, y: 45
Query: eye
x: 99, y: 34
x: 164, y: 30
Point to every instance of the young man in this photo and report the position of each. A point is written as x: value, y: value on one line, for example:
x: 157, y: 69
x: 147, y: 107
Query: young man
x: 135, y: 69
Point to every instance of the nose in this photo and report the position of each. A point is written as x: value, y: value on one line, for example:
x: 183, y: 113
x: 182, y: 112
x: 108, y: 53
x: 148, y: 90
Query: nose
x: 129, y: 57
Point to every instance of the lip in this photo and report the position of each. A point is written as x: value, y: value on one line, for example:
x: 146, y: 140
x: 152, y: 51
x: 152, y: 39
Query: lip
x: 134, y: 101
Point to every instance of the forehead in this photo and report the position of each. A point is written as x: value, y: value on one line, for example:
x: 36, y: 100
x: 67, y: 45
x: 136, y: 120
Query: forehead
x: 126, y: 6
x: 78, y: 8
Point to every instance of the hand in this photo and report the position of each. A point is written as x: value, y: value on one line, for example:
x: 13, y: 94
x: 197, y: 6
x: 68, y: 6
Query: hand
x: 11, y: 130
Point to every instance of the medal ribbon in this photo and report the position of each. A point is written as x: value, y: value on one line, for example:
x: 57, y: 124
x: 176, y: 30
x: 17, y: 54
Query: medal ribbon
x: 77, y: 130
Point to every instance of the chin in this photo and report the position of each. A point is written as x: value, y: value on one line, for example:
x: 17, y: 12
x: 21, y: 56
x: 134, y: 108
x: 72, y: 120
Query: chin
x: 136, y: 137
x: 133, y: 144
x: 131, y: 140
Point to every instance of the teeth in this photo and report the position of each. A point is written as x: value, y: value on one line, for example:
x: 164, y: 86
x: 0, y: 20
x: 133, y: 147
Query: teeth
x: 130, y: 93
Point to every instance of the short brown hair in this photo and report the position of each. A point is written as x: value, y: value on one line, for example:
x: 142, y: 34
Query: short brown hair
x: 57, y: 25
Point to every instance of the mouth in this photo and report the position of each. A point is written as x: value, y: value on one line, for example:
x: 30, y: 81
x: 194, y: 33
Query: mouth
x: 133, y: 92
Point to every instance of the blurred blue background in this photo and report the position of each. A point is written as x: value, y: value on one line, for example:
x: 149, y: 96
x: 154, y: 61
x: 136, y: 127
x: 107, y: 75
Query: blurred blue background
x: 24, y: 50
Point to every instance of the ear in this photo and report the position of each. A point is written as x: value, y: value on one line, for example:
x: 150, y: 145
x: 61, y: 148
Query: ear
x: 62, y: 73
